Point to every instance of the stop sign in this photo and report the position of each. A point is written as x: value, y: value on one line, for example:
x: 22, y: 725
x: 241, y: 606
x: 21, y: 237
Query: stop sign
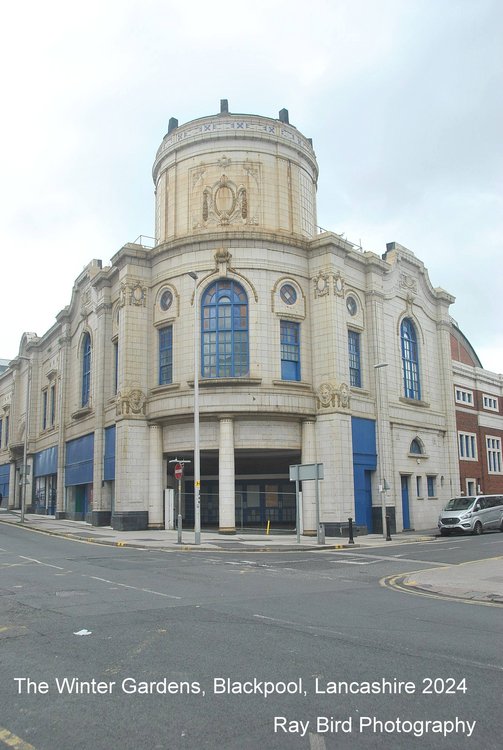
x: 178, y: 471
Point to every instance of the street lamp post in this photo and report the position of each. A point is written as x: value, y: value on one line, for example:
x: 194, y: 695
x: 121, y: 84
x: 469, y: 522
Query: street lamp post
x: 197, y: 452
x: 382, y: 483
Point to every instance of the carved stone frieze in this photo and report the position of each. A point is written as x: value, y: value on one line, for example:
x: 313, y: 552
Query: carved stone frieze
x: 133, y: 293
x: 321, y: 284
x: 326, y: 280
x: 325, y: 396
x: 408, y: 282
x: 329, y: 396
x: 131, y: 402
x: 338, y: 284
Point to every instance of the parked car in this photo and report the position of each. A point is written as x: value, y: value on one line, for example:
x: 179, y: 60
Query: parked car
x: 472, y: 514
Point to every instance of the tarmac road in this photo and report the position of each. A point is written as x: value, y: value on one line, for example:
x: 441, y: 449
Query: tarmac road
x: 184, y: 617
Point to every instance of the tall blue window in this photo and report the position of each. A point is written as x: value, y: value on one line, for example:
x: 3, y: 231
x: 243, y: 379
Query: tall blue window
x: 224, y: 319
x: 290, y: 350
x: 44, y: 410
x: 355, y: 373
x: 53, y: 404
x: 166, y: 355
x: 116, y: 366
x: 86, y: 369
x: 410, y: 360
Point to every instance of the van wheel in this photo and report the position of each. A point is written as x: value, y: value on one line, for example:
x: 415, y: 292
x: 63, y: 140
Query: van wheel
x: 477, y: 529
x: 501, y: 525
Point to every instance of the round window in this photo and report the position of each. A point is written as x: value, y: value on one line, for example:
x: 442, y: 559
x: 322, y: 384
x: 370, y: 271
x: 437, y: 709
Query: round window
x: 288, y: 294
x: 166, y: 300
x: 351, y: 305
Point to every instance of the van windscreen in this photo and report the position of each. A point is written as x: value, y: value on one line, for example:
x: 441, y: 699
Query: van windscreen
x: 459, y: 503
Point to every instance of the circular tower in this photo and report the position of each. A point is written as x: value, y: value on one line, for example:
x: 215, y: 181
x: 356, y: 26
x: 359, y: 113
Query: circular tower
x: 235, y: 172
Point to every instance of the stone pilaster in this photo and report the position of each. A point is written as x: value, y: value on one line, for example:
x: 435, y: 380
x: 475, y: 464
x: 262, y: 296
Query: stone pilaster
x: 308, y: 488
x: 155, y: 478
x: 226, y: 478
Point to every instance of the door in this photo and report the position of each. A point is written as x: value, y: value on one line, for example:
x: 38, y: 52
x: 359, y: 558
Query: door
x: 363, y: 497
x: 405, y: 502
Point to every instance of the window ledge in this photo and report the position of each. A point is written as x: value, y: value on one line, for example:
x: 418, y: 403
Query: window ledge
x: 48, y: 430
x: 418, y: 455
x: 414, y: 402
x: 81, y: 413
x: 164, y: 388
x: 209, y: 382
x: 293, y: 384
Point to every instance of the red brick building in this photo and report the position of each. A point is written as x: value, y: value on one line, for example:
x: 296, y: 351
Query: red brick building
x: 478, y: 399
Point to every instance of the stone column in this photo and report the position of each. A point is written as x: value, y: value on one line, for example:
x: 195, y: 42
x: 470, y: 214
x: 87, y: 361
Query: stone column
x: 101, y: 512
x: 12, y: 485
x: 64, y: 386
x: 155, y: 478
x: 226, y: 478
x: 308, y: 488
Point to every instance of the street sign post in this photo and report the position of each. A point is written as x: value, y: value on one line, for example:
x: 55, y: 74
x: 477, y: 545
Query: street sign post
x: 178, y: 471
x: 304, y: 473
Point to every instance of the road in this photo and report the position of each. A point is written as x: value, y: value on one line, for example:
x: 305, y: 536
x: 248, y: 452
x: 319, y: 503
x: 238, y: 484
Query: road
x: 178, y: 649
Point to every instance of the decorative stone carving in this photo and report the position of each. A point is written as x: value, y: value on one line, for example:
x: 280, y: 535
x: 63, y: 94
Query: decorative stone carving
x: 198, y: 174
x: 225, y: 203
x: 408, y: 282
x: 122, y: 295
x: 222, y: 258
x: 329, y: 396
x: 343, y: 396
x: 131, y: 402
x: 325, y: 396
x: 338, y: 285
x: 321, y: 284
x: 132, y: 293
x: 138, y: 295
x: 224, y: 162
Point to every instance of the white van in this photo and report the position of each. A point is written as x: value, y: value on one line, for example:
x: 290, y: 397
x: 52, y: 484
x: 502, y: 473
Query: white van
x: 473, y: 514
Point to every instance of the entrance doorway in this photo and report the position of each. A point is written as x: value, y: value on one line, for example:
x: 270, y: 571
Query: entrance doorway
x: 405, y: 480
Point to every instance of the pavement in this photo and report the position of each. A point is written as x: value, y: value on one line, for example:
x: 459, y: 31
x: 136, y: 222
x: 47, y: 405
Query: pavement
x: 479, y: 581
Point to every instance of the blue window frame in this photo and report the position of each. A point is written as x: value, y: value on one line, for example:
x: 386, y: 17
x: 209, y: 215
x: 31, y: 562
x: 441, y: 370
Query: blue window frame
x: 1, y: 428
x: 290, y: 350
x: 431, y: 486
x: 355, y: 373
x: 116, y: 366
x: 224, y: 330
x: 410, y: 360
x: 44, y: 410
x: 166, y: 355
x: 53, y: 405
x: 86, y: 369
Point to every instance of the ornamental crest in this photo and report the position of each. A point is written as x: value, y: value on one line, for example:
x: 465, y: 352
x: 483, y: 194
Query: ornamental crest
x: 132, y: 402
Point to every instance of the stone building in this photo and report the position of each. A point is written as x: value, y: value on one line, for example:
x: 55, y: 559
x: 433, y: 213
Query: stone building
x: 310, y: 351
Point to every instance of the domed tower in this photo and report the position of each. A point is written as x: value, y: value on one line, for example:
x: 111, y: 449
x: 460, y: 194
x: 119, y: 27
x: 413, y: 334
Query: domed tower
x: 234, y: 172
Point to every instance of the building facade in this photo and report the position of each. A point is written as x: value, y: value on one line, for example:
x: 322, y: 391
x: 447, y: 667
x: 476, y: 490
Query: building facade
x: 309, y: 351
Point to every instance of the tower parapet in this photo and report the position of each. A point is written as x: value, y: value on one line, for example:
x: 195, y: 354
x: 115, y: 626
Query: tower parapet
x: 234, y: 171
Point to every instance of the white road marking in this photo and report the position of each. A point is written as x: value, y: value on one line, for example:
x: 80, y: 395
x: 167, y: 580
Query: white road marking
x: 136, y: 588
x: 39, y: 562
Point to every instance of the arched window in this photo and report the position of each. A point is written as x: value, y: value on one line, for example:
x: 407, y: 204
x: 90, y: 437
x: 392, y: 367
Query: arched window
x: 86, y: 369
x: 416, y: 447
x: 224, y: 321
x: 410, y: 360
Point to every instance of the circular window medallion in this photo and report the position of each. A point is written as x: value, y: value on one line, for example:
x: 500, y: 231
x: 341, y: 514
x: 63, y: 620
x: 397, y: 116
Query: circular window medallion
x: 351, y: 305
x: 166, y: 300
x: 288, y: 294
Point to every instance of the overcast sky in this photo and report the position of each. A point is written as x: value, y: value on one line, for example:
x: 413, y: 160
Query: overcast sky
x: 402, y: 98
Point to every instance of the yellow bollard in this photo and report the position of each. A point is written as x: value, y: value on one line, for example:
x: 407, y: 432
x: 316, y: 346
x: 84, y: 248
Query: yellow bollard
x: 268, y: 527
